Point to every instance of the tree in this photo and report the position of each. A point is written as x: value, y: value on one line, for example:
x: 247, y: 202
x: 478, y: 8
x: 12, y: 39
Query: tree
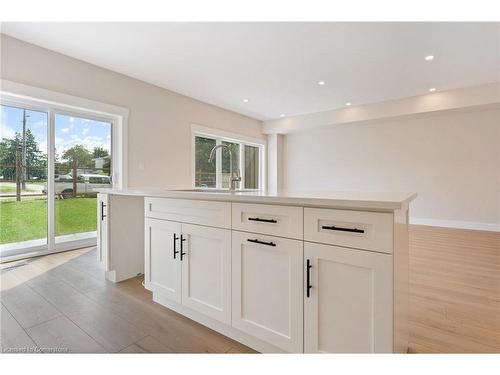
x: 78, y: 154
x: 99, y: 152
x: 36, y: 160
x: 8, y: 148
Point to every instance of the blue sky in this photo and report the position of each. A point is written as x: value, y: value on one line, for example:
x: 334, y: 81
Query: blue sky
x: 69, y: 130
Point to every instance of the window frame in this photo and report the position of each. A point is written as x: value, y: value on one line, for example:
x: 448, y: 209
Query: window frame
x: 223, y: 136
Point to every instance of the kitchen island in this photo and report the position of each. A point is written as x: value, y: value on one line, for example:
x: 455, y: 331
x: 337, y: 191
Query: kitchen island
x: 280, y: 272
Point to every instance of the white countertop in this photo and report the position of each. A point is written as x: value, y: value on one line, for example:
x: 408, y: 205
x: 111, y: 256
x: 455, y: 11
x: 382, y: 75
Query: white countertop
x: 376, y: 201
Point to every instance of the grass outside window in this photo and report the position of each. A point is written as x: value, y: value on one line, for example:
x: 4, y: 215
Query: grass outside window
x: 27, y: 220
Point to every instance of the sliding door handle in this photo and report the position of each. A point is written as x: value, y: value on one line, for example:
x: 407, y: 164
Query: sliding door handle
x: 102, y: 210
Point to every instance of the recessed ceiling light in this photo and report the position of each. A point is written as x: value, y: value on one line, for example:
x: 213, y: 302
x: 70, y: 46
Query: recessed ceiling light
x: 282, y: 115
x: 245, y: 100
x: 429, y: 58
x: 321, y: 83
x: 348, y: 104
x: 432, y: 89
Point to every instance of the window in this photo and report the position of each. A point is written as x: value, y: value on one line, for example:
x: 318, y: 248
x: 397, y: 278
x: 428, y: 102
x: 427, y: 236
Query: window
x: 247, y: 160
x: 204, y: 171
x: 251, y: 167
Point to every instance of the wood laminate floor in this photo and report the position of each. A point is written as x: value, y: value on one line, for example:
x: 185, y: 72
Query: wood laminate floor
x: 454, y: 290
x: 62, y: 303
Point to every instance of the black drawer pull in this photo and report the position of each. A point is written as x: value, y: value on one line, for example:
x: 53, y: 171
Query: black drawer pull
x: 262, y: 220
x: 308, y: 278
x: 262, y: 242
x: 175, y: 246
x: 182, y: 251
x: 340, y: 229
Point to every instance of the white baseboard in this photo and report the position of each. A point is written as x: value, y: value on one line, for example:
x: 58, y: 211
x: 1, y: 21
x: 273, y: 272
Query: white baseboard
x: 492, y: 227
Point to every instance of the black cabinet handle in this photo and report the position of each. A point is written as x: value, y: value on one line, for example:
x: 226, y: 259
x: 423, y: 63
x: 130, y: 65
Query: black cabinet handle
x: 182, y: 252
x: 308, y: 278
x: 341, y: 229
x: 262, y: 220
x: 262, y: 242
x: 175, y: 245
x: 102, y: 210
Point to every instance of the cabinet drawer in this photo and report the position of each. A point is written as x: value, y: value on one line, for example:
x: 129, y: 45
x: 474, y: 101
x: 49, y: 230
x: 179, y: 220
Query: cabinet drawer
x: 284, y: 221
x: 361, y: 230
x: 214, y: 214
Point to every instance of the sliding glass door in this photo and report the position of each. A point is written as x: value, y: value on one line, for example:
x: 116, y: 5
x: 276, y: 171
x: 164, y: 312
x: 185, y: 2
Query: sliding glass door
x: 23, y: 177
x: 51, y: 163
x: 82, y: 165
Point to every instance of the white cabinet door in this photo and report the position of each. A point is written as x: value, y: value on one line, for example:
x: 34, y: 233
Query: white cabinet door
x: 103, y: 257
x: 349, y: 307
x: 162, y: 258
x: 267, y: 289
x: 206, y: 271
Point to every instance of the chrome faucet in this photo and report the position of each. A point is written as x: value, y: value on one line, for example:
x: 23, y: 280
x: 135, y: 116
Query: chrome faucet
x: 234, y: 176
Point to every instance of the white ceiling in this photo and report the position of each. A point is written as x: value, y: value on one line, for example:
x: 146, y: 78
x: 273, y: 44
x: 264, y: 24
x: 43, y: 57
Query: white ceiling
x: 277, y: 65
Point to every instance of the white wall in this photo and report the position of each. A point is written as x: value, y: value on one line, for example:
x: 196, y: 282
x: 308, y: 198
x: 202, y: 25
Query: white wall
x: 274, y: 162
x: 451, y: 159
x: 159, y: 123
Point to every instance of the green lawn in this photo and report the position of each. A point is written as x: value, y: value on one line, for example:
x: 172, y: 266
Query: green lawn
x: 7, y: 189
x: 27, y: 220
x: 12, y: 189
